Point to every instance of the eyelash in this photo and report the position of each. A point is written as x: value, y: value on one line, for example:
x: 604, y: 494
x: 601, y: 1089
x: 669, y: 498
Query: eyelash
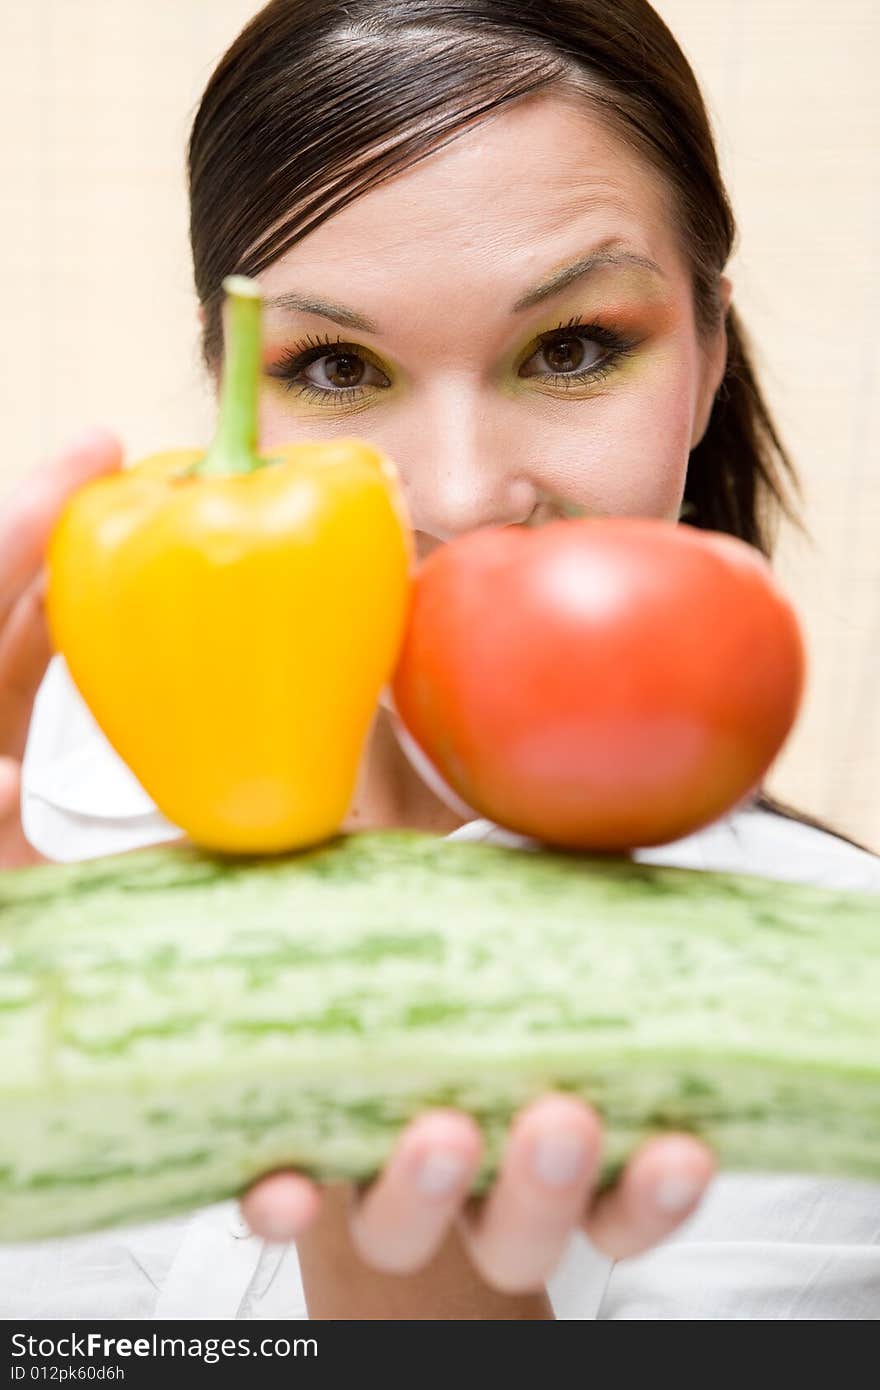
x: 296, y: 359
x: 616, y: 349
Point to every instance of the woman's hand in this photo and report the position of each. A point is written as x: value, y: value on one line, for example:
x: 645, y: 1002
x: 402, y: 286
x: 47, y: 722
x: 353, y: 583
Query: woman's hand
x: 26, y: 522
x: 516, y: 1235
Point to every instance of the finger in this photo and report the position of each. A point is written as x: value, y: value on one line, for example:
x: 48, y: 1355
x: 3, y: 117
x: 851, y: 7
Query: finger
x: 405, y: 1216
x: 15, y: 851
x: 25, y: 650
x: 659, y: 1188
x: 28, y: 516
x: 518, y: 1236
x: 281, y: 1206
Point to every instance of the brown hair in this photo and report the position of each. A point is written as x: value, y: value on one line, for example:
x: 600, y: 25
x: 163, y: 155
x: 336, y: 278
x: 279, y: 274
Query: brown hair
x: 317, y: 101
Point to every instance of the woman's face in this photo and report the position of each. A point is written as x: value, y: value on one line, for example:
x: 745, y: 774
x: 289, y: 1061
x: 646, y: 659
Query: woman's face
x: 510, y: 320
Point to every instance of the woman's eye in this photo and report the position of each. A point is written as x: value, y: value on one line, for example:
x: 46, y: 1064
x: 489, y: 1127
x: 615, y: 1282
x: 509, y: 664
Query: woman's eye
x: 341, y: 371
x: 567, y: 356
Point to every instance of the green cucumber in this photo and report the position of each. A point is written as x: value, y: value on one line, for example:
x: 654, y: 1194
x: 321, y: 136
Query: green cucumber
x: 173, y: 1024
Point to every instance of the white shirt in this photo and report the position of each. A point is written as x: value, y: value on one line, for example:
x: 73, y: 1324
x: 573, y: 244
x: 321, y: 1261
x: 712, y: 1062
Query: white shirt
x: 758, y: 1247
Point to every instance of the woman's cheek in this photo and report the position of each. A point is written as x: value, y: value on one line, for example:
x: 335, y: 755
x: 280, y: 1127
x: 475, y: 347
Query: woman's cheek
x: 631, y: 444
x: 276, y: 425
x: 280, y: 423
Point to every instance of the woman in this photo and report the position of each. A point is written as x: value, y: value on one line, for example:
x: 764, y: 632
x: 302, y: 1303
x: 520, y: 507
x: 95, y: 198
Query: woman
x: 491, y: 239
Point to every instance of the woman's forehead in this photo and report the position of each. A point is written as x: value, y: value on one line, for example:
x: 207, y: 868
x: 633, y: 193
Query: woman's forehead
x: 513, y: 197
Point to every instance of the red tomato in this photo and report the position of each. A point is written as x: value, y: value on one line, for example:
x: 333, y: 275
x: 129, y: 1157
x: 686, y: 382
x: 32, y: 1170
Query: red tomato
x: 600, y: 684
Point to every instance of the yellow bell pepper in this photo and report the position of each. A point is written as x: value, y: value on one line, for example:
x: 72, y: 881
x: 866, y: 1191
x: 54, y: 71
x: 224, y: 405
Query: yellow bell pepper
x: 230, y: 620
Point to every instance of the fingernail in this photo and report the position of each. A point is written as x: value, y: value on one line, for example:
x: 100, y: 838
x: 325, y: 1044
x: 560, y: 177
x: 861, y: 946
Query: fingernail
x: 558, y: 1159
x: 675, y: 1193
x: 440, y: 1173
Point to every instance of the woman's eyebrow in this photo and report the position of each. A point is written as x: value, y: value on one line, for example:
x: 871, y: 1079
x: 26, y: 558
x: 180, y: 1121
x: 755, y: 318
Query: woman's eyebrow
x: 350, y: 318
x: 324, y: 308
x: 580, y: 268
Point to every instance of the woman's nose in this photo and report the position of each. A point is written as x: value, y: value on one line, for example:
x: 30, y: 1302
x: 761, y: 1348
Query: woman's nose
x: 463, y: 469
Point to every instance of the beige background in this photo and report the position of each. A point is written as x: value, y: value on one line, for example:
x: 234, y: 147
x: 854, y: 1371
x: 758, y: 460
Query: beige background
x: 99, y: 318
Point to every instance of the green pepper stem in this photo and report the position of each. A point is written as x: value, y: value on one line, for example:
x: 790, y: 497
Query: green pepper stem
x: 234, y: 447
